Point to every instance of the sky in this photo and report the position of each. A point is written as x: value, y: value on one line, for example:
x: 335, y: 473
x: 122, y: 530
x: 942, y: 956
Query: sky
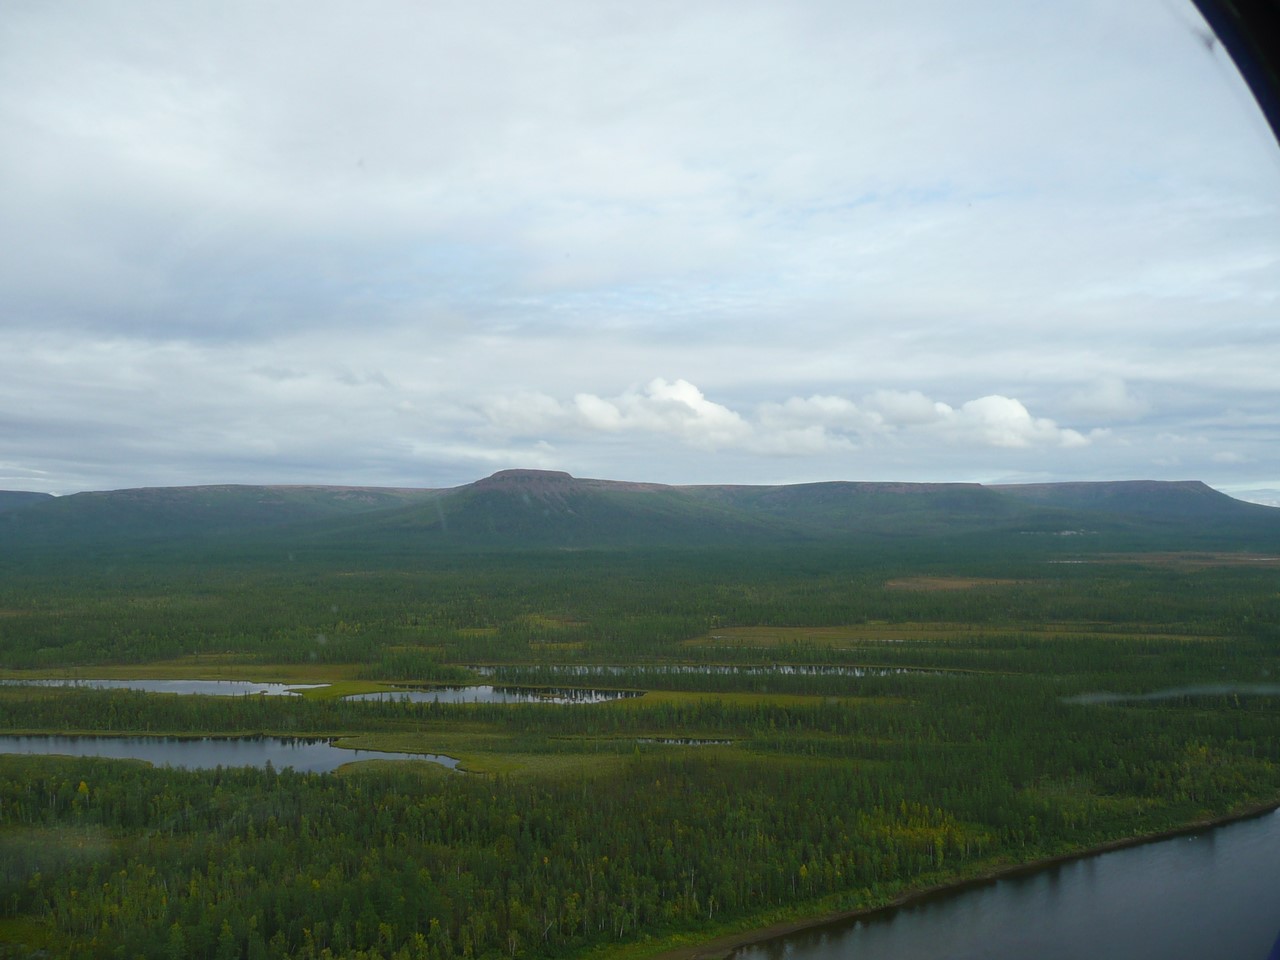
x: 413, y: 243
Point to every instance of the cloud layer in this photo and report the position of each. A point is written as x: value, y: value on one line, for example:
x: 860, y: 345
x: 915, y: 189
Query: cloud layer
x: 726, y: 241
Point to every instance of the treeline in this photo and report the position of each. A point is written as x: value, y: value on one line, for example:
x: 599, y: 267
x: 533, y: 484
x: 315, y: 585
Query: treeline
x: 590, y: 605
x: 133, y: 861
x: 242, y: 863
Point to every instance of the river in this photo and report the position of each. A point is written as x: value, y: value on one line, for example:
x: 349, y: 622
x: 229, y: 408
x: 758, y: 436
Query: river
x: 1209, y: 896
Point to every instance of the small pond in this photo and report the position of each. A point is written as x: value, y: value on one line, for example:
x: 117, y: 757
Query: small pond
x: 205, y: 753
x: 483, y: 693
x: 209, y: 688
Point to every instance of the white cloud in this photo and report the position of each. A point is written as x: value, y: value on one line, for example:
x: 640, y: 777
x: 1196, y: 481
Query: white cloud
x: 1003, y: 422
x: 671, y: 408
x: 598, y: 413
x: 797, y: 426
x: 676, y: 408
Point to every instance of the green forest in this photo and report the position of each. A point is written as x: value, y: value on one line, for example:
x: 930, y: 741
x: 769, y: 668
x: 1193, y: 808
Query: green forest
x: 823, y: 726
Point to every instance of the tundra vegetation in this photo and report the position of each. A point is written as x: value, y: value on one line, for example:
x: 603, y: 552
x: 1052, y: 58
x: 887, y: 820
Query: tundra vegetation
x: 721, y: 799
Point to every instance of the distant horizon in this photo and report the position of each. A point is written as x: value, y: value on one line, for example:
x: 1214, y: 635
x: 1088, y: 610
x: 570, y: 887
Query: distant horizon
x: 1263, y: 497
x: 778, y: 243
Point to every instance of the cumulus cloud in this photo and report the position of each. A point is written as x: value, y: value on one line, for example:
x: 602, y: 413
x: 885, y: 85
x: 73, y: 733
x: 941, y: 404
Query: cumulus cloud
x: 672, y: 408
x: 796, y: 426
x: 1003, y: 422
x: 677, y: 408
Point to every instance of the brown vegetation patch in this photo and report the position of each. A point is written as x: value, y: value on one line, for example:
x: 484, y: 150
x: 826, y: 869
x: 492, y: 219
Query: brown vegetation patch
x: 874, y: 632
x: 947, y: 583
x: 552, y: 621
x: 842, y: 636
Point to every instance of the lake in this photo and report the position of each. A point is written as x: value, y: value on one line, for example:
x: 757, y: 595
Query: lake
x: 478, y: 693
x: 210, y: 688
x: 205, y: 753
x: 1209, y: 896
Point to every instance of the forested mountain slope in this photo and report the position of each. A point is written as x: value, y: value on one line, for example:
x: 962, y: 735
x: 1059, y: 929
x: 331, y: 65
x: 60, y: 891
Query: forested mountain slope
x: 182, y: 513
x: 1186, y: 500
x: 15, y: 499
x: 534, y: 509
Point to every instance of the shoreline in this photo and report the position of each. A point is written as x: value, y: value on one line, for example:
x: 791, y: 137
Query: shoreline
x: 720, y: 948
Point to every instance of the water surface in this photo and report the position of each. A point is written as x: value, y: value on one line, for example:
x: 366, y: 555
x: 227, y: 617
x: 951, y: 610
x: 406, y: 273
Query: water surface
x: 477, y: 693
x: 206, y: 753
x: 210, y: 688
x: 1212, y: 896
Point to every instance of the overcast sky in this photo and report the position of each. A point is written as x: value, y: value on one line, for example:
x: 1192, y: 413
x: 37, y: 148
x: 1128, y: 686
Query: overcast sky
x: 412, y: 243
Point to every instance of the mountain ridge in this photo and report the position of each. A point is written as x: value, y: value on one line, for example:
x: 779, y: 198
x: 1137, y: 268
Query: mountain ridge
x: 525, y: 508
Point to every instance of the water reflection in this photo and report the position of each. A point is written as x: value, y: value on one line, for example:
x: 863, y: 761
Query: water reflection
x: 210, y: 688
x: 484, y: 693
x: 1186, y: 898
x: 206, y: 753
x: 699, y: 669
